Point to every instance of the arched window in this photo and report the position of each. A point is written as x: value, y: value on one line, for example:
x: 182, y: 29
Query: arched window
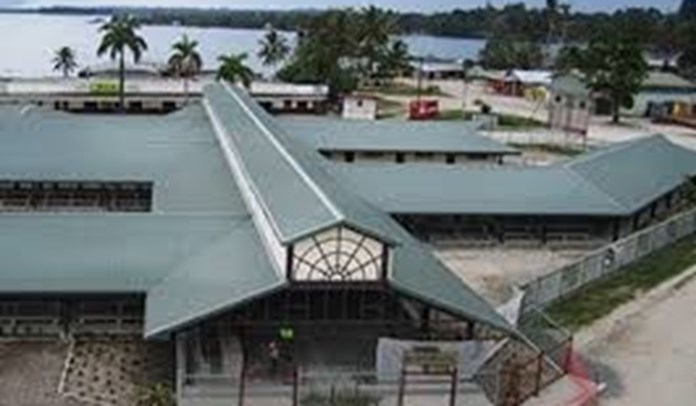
x: 338, y: 255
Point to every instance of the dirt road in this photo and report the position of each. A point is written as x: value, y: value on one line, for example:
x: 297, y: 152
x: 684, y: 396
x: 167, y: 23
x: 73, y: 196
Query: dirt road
x: 650, y: 358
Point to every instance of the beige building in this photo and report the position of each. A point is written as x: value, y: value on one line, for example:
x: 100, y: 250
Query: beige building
x: 150, y: 94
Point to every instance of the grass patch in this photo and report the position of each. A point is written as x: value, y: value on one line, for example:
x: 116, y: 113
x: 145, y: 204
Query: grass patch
x: 454, y: 115
x: 516, y: 122
x: 389, y: 108
x: 606, y: 295
x: 554, y: 149
x: 505, y: 121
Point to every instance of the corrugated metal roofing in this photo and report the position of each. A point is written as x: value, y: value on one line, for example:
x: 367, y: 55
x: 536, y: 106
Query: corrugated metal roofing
x: 177, y: 152
x: 92, y: 253
x: 227, y: 272
x: 440, y: 189
x: 198, y: 253
x: 329, y: 134
x: 616, y: 181
x: 667, y: 80
x: 634, y: 173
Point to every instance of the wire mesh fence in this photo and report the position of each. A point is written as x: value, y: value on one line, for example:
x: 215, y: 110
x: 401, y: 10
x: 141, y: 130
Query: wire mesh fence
x: 606, y: 261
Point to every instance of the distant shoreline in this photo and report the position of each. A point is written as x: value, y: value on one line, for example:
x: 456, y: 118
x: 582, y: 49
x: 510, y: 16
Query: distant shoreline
x: 283, y: 20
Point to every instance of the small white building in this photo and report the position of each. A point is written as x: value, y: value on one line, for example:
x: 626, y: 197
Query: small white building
x: 570, y: 105
x: 519, y: 82
x: 290, y: 97
x: 360, y: 107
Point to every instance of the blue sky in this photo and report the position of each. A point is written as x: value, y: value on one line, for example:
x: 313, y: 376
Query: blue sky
x: 420, y: 5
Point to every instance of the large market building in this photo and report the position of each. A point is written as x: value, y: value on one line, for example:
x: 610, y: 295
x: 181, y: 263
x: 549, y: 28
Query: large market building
x: 218, y: 226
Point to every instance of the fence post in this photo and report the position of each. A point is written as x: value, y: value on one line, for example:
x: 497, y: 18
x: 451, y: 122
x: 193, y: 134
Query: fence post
x: 569, y: 355
x: 453, y: 388
x: 402, y: 384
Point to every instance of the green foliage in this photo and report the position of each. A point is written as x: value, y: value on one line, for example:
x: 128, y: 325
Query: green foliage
x: 649, y: 26
x: 64, y: 61
x: 402, y: 89
x: 687, y: 59
x: 185, y: 61
x: 506, y: 53
x: 510, y: 121
x: 568, y: 59
x: 688, y: 9
x: 119, y: 34
x: 614, y: 67
x: 274, y: 48
x: 343, y: 47
x: 606, y: 295
x: 233, y: 69
x: 155, y: 395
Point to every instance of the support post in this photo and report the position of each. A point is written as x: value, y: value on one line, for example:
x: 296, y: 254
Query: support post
x: 568, y: 357
x: 295, y: 386
x: 540, y: 366
x: 402, y: 387
x: 242, y: 382
x: 453, y: 388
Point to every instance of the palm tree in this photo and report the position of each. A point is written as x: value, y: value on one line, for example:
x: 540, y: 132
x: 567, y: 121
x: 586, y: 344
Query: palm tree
x: 274, y: 48
x: 185, y: 61
x: 233, y: 69
x: 374, y: 30
x: 119, y: 35
x: 64, y: 61
x: 552, y: 8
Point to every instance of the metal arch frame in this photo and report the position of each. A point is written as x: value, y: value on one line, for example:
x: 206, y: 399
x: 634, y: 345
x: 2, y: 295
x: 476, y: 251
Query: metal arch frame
x: 377, y: 259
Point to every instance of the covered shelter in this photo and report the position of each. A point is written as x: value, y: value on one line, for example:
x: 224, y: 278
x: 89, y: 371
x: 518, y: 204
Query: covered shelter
x: 214, y: 229
x: 589, y: 200
x: 397, y: 141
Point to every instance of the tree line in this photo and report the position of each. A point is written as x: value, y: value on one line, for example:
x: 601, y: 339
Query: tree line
x: 648, y: 26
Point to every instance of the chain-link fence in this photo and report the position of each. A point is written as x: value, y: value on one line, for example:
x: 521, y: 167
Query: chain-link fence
x: 336, y: 389
x: 605, y: 261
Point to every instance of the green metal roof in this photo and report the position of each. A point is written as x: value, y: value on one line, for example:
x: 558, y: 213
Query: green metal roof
x: 615, y: 181
x: 92, y: 253
x: 440, y: 189
x: 570, y: 84
x: 225, y: 273
x: 178, y: 153
x: 333, y: 134
x: 200, y: 251
x: 667, y: 80
x: 635, y: 173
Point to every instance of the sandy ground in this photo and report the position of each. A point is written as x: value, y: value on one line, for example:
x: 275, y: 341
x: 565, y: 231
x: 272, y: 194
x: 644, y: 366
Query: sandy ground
x: 601, y: 131
x: 493, y: 272
x: 646, y: 351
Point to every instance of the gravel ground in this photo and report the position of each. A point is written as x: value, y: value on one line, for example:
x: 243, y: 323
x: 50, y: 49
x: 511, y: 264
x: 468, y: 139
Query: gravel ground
x: 30, y: 372
x: 492, y: 272
x: 648, y: 355
x: 601, y: 131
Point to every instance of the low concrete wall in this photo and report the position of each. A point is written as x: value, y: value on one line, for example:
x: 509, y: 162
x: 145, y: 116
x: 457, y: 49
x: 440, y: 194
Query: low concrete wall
x: 605, y: 261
